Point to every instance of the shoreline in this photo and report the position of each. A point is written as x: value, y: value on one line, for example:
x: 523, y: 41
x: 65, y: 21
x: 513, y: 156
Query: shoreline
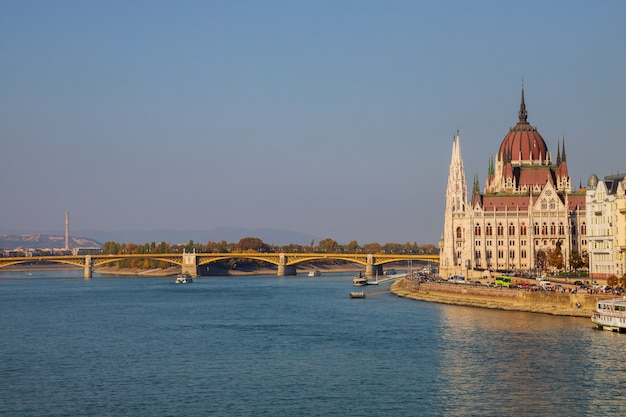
x: 558, y: 304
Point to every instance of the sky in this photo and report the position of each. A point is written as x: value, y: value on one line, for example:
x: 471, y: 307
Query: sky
x: 332, y: 118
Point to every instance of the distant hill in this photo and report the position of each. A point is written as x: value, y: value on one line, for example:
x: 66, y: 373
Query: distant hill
x: 36, y: 241
x: 12, y: 239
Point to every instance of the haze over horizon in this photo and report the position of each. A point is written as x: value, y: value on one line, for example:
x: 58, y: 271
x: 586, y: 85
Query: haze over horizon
x: 333, y: 119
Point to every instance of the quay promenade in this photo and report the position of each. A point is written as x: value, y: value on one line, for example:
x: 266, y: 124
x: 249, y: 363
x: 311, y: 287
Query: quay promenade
x: 579, y: 304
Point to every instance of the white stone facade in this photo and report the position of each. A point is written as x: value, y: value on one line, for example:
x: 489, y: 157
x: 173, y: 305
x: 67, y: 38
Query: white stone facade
x: 526, y: 211
x: 606, y: 219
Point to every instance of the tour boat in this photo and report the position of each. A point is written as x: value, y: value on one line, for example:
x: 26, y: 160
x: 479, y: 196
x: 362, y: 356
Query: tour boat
x: 359, y: 280
x: 610, y: 314
x: 315, y: 273
x: 183, y: 279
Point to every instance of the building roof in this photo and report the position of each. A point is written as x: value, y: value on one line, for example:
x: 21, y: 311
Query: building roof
x: 506, y: 202
x: 523, y: 142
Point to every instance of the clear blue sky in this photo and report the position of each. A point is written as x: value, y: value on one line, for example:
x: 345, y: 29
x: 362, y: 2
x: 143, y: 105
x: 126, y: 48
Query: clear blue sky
x: 333, y: 118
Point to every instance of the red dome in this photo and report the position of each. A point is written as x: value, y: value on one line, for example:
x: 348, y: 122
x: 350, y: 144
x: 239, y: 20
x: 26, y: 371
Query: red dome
x: 523, y: 142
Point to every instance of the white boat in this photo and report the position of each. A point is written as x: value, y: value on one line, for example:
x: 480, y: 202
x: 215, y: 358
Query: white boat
x: 610, y: 314
x: 183, y: 279
x: 357, y: 294
x: 314, y: 273
x: 359, y: 280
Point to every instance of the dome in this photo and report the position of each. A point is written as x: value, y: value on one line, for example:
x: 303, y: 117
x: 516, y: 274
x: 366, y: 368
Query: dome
x: 592, y: 183
x: 523, y: 142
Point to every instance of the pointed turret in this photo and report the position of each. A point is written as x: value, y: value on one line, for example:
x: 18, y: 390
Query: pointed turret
x: 523, y: 115
x: 456, y: 195
x: 476, y: 198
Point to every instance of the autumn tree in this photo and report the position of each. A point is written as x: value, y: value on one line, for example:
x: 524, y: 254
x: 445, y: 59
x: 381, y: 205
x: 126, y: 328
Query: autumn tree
x: 252, y: 244
x: 555, y: 258
x: 372, y: 248
x: 328, y: 246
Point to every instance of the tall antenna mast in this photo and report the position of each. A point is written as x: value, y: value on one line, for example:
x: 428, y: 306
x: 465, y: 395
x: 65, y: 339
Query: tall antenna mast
x: 67, y: 230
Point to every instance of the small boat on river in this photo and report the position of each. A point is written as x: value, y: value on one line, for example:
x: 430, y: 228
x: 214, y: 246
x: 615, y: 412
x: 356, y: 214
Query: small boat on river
x: 359, y: 280
x: 610, y: 315
x: 357, y: 294
x: 314, y: 273
x: 183, y: 279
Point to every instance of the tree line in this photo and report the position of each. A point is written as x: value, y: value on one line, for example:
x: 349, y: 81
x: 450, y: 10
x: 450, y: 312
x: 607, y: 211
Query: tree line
x: 254, y: 245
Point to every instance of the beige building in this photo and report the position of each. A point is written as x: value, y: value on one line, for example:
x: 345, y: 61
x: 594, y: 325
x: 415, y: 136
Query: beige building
x: 527, y: 209
x: 606, y: 231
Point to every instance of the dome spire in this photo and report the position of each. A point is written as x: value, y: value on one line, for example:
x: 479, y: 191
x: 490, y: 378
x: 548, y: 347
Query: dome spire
x: 522, y: 107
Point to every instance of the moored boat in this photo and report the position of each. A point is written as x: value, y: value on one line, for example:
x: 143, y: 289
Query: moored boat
x: 183, y: 279
x: 314, y: 273
x: 610, y: 315
x: 359, y: 280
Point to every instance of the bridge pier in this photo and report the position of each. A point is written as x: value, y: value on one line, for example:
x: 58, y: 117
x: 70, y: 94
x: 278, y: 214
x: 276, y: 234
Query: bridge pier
x: 88, y: 267
x: 190, y: 264
x: 370, y: 269
x: 283, y: 268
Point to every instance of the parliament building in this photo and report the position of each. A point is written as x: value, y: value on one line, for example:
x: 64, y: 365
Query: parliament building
x: 526, y: 211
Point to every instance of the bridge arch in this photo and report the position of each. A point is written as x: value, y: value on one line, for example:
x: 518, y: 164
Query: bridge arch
x: 286, y: 262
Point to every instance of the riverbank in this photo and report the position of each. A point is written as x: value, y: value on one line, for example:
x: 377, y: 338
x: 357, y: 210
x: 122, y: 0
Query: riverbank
x: 562, y: 304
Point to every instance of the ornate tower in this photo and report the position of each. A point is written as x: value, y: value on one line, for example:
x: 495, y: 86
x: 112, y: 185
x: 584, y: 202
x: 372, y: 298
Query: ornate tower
x: 456, y: 207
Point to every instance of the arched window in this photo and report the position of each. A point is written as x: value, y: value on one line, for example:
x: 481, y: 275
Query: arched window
x: 459, y: 233
x: 477, y: 230
x: 583, y: 229
x: 522, y: 229
x: 536, y: 228
x: 552, y: 228
x: 511, y: 229
x: 488, y: 230
x: 544, y: 228
x: 500, y: 229
x: 561, y: 228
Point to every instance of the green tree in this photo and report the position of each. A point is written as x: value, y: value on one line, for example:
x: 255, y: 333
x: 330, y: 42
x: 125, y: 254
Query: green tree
x: 110, y: 248
x: 353, y: 247
x: 576, y: 260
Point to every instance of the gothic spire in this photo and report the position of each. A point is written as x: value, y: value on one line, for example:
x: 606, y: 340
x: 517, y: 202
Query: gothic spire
x: 563, y: 154
x: 558, y: 153
x: 476, y: 187
x: 522, y: 108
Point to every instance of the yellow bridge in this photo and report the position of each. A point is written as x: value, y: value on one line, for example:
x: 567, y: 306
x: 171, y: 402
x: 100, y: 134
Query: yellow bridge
x: 197, y: 263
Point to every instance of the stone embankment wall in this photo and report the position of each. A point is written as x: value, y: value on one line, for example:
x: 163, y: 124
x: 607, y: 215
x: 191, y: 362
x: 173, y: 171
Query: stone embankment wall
x: 567, y: 304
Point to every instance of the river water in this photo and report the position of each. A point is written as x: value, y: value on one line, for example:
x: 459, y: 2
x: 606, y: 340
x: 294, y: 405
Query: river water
x: 293, y: 346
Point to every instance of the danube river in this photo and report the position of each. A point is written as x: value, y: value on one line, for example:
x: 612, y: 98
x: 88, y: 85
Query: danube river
x: 292, y: 346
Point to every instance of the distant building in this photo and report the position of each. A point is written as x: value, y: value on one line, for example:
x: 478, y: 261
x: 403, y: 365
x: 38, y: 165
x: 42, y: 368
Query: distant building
x: 526, y: 211
x: 606, y: 232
